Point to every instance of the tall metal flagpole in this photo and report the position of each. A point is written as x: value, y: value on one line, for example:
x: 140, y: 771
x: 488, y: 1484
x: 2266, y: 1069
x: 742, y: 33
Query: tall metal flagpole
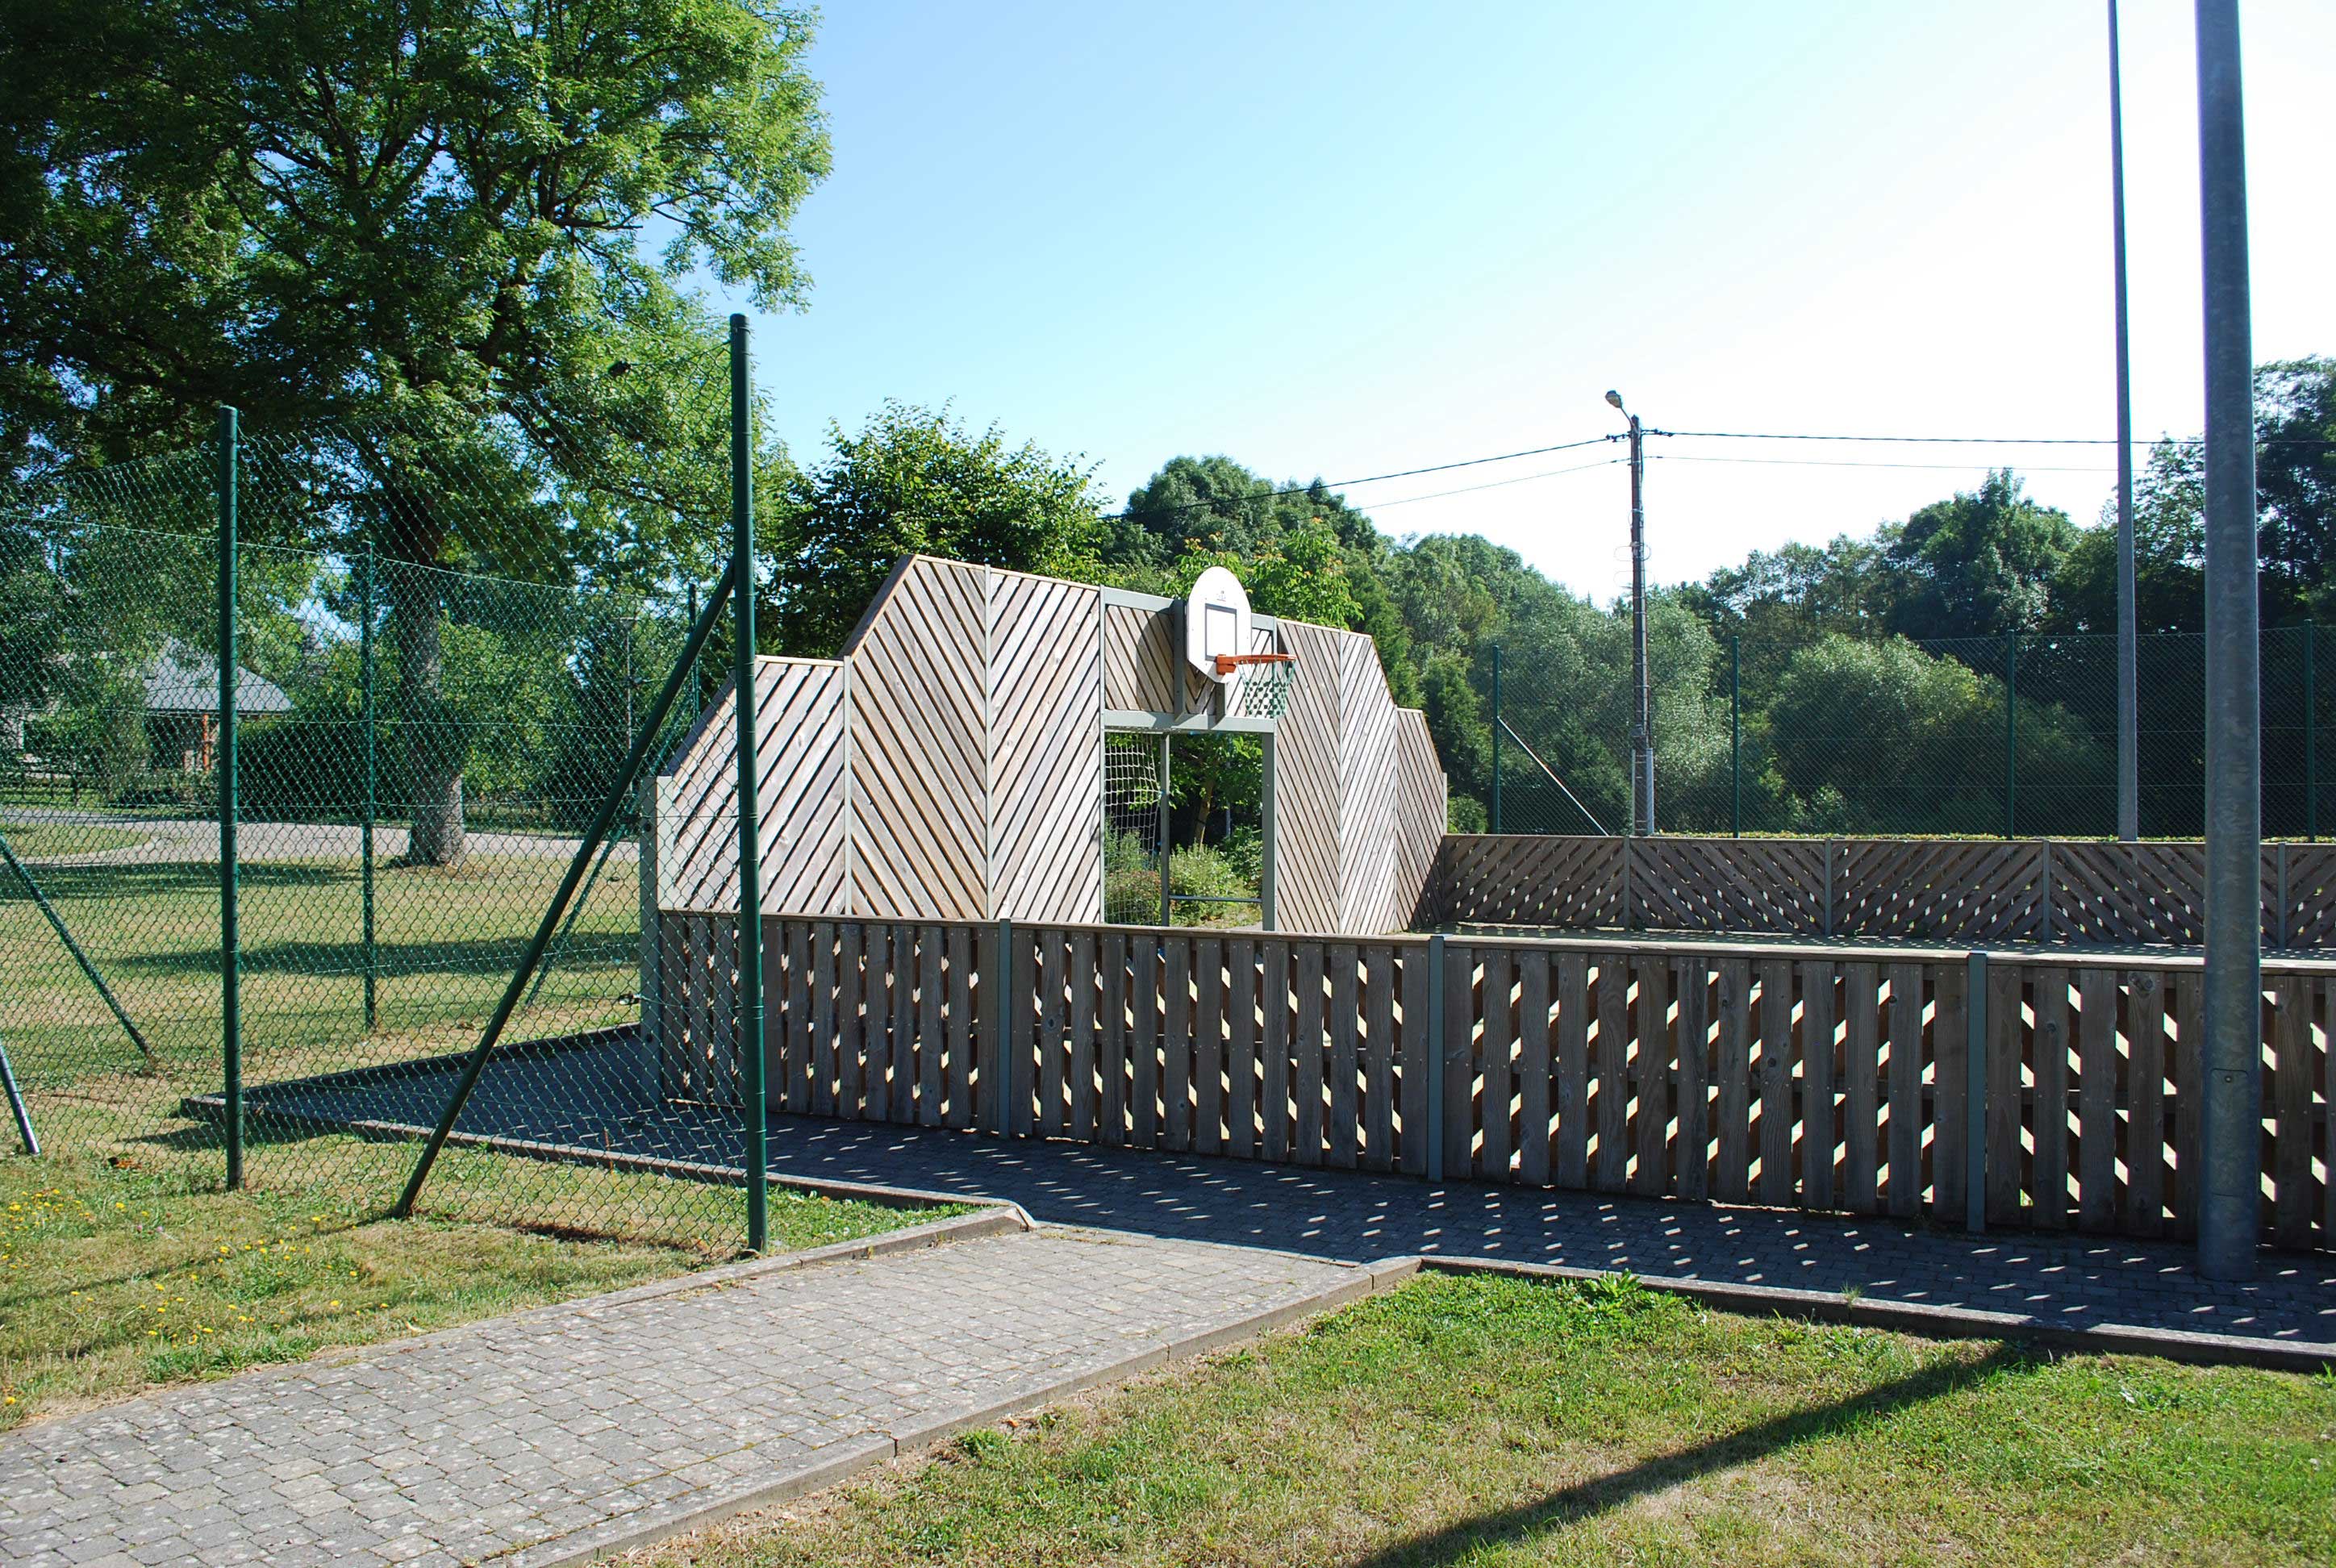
x: 2230, y: 1123
x: 2128, y: 808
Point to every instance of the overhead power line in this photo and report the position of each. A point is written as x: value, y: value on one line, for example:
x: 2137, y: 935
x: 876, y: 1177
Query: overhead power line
x: 1374, y: 478
x: 1852, y: 462
x: 1981, y: 440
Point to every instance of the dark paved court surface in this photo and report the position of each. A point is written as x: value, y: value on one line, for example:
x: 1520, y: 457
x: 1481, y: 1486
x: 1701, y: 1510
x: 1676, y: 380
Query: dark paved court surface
x: 589, y: 1099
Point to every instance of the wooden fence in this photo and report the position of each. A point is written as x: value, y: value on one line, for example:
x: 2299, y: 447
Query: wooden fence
x: 1959, y: 890
x: 1819, y: 1078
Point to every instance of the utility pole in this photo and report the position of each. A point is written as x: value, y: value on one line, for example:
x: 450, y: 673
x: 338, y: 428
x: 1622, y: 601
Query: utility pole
x: 1642, y: 727
x: 2230, y: 1124
x: 2128, y: 762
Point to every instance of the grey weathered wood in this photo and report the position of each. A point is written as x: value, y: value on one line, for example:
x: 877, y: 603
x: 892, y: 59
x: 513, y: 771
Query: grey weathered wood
x: 1820, y: 1134
x: 1860, y: 1003
x: 1112, y: 1064
x: 1905, y: 1090
x: 961, y: 1065
x: 1240, y: 1049
x: 1732, y: 1071
x: 2147, y: 1138
x: 1344, y: 1128
x: 1611, y: 1168
x: 906, y: 971
x: 2190, y: 1034
x: 1145, y: 996
x: 1774, y: 1074
x: 1415, y: 1060
x: 1176, y: 1042
x: 1691, y: 1149
x: 1651, y: 1027
x: 2048, y: 1190
x: 1572, y: 1070
x: 850, y: 999
x: 1379, y: 1057
x: 1305, y: 976
x: 2008, y: 1046
x: 2289, y: 1096
x: 1460, y: 1015
x: 2098, y: 1094
x: 1950, y: 1084
x: 1052, y: 949
x: 1535, y: 1069
x: 1209, y: 1052
x: 932, y: 1038
x: 823, y: 1010
x: 1274, y: 1049
x: 1495, y: 1058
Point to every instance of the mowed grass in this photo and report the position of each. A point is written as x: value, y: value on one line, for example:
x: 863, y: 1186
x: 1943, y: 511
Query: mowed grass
x: 35, y: 841
x: 1485, y: 1422
x: 124, y: 1262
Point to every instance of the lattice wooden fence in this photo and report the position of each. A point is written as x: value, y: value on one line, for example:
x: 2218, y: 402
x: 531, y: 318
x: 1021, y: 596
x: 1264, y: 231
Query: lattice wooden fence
x: 1961, y: 890
x: 2061, y: 1093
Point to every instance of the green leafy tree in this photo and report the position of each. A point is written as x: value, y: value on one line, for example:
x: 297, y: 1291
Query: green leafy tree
x: 1978, y: 564
x: 2295, y: 485
x: 914, y: 481
x: 438, y: 251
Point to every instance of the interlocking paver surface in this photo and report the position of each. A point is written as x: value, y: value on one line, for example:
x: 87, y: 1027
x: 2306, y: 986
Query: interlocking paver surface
x: 507, y: 1436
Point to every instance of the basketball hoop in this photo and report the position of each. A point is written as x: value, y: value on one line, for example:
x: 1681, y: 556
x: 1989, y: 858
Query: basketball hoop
x: 1265, y: 681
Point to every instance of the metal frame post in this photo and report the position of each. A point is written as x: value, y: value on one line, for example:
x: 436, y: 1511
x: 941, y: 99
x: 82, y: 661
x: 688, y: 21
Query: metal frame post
x: 1266, y: 890
x: 366, y: 713
x: 1642, y: 727
x: 1496, y: 738
x: 1161, y: 823
x: 2129, y: 741
x: 2230, y: 1123
x: 230, y: 951
x: 750, y: 858
x: 2310, y: 735
x: 1975, y: 1096
x: 1736, y: 734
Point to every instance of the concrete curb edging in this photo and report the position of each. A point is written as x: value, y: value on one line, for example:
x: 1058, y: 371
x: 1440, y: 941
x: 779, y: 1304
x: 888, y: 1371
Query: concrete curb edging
x: 651, y: 1526
x: 1935, y: 1322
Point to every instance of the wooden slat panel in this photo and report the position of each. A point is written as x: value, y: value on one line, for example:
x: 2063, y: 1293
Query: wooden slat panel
x: 962, y: 1065
x: 1053, y: 949
x: 1654, y: 1055
x: 1572, y: 1070
x: 850, y: 1001
x: 1535, y: 1069
x: 2189, y: 1068
x: 1046, y: 748
x: 800, y: 709
x: 1111, y: 1065
x: 1560, y: 882
x: 1378, y: 1059
x: 1307, y: 794
x: 1495, y: 1058
x: 825, y: 1007
x: 932, y: 1034
x: 1905, y: 1083
x: 2096, y: 1098
x: 1950, y: 1056
x: 1274, y: 1049
x: 1240, y: 1049
x: 1415, y: 1060
x: 1861, y: 1077
x: 1369, y: 803
x: 2048, y: 1187
x: 2289, y: 1096
x: 1176, y: 1042
x: 1732, y: 1070
x: 1422, y: 813
x: 1715, y: 884
x: 1140, y: 658
x: 1692, y: 1148
x: 1460, y: 1004
x: 1772, y: 1071
x: 2009, y: 1037
x: 1820, y: 1136
x: 1345, y: 1127
x: 917, y: 746
x: 1610, y: 1166
x: 1209, y: 1053
x: 1022, y: 1073
x: 1306, y: 981
x: 1144, y: 992
x: 2146, y: 1135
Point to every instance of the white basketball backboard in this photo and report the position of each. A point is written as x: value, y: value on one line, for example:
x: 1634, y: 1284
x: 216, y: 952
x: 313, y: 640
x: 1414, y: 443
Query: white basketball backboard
x: 1216, y: 621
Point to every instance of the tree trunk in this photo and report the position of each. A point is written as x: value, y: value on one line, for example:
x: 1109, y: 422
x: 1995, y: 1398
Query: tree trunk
x: 435, y: 746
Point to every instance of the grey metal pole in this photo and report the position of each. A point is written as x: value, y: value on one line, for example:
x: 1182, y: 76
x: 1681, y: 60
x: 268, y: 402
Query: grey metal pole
x: 1735, y: 735
x: 750, y: 856
x: 1496, y: 738
x: 1642, y: 727
x: 230, y: 961
x: 2010, y: 735
x: 2230, y: 1123
x: 2128, y: 763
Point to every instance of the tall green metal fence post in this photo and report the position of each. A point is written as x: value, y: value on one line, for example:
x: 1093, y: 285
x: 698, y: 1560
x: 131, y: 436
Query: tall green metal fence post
x: 230, y: 965
x: 1496, y: 738
x: 750, y: 855
x: 2010, y: 734
x: 1735, y: 735
x: 365, y: 568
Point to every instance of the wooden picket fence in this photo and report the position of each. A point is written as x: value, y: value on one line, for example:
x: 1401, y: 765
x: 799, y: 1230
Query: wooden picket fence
x: 2003, y: 1089
x: 1967, y: 892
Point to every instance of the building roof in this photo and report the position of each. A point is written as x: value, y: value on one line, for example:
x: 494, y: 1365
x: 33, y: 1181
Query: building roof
x: 183, y: 679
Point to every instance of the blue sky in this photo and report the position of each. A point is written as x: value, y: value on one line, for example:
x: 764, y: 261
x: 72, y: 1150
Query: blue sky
x: 1340, y: 240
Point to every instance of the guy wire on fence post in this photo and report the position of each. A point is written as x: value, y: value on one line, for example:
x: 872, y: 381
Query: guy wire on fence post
x: 644, y: 741
x: 371, y: 782
x: 750, y: 861
x: 224, y: 764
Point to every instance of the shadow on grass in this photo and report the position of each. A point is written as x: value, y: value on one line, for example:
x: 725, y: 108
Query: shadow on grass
x: 497, y: 955
x: 1604, y: 1493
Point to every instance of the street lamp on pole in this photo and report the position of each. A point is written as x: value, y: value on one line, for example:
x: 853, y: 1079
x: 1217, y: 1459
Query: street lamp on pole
x: 1642, y: 729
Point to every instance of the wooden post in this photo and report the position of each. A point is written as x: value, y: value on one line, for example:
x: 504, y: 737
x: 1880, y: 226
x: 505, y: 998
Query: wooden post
x: 1436, y: 1003
x: 1975, y: 1099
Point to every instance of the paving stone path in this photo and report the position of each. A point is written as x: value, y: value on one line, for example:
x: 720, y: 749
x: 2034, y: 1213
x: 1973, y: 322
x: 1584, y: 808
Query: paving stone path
x: 543, y: 1436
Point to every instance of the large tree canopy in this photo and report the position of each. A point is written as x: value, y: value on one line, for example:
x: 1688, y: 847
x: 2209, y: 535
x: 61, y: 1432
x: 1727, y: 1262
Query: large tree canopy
x: 436, y: 250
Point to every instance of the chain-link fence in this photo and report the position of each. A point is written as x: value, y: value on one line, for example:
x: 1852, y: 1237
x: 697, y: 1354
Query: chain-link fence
x: 443, y: 695
x: 2009, y: 735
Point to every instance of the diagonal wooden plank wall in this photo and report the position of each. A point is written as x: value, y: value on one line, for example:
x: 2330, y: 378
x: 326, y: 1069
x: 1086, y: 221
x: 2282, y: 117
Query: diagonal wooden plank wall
x: 1046, y: 748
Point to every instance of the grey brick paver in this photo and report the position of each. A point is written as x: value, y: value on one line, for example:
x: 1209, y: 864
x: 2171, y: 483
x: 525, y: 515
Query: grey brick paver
x: 578, y: 1417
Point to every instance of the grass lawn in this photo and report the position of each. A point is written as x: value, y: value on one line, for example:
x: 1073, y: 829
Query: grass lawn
x: 1486, y: 1421
x: 125, y: 1270
x: 40, y: 841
